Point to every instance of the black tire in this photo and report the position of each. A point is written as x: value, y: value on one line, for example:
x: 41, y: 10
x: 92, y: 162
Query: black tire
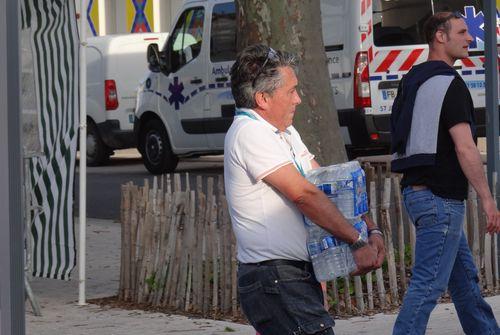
x: 156, y: 150
x: 97, y: 152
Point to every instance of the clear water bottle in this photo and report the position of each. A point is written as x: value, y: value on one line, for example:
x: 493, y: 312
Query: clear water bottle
x: 316, y: 237
x: 334, y: 258
x: 315, y: 234
x: 345, y: 185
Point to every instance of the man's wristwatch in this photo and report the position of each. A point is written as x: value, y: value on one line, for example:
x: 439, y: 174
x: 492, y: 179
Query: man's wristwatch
x: 360, y: 243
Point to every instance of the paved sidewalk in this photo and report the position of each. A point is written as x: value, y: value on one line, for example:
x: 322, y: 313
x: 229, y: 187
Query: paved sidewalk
x: 62, y: 316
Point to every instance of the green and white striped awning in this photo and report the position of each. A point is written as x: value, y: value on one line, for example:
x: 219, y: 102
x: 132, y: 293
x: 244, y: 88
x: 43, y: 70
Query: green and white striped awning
x: 52, y: 27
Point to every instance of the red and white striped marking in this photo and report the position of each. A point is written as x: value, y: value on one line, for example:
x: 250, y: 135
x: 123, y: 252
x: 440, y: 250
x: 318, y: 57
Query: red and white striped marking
x: 398, y: 60
x: 366, y: 40
x: 402, y: 60
x: 474, y: 62
x: 365, y: 6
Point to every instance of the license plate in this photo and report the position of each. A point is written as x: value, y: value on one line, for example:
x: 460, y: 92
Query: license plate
x: 389, y: 94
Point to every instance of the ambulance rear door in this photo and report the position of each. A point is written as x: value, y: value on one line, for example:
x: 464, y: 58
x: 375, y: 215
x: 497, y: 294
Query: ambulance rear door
x: 394, y: 43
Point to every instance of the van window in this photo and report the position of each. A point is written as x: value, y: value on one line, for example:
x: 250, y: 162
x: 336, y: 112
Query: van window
x: 223, y: 35
x: 185, y: 43
x: 400, y: 22
x: 333, y: 16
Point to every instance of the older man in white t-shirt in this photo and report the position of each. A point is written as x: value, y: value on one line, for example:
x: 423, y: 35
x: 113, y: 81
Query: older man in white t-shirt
x: 265, y: 162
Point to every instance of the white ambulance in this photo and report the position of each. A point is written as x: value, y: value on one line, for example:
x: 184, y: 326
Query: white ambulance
x: 185, y: 106
x: 115, y: 66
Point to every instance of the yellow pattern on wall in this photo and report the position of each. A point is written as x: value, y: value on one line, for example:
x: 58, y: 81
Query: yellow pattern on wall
x: 140, y: 19
x: 148, y: 11
x: 130, y: 12
x: 94, y: 16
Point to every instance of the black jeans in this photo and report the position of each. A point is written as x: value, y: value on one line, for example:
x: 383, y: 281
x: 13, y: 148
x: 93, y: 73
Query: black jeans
x: 283, y: 299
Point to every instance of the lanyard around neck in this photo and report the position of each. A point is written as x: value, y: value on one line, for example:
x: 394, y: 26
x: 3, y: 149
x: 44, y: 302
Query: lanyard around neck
x: 240, y: 112
x: 297, y: 165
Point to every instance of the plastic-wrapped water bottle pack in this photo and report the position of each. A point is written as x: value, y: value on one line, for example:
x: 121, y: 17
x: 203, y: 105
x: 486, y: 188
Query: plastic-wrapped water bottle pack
x: 345, y: 185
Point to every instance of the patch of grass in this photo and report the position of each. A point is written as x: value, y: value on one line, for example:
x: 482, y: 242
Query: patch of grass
x: 152, y: 283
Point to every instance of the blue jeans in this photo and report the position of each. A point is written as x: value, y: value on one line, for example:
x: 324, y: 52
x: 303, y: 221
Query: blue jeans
x: 283, y: 299
x: 442, y: 259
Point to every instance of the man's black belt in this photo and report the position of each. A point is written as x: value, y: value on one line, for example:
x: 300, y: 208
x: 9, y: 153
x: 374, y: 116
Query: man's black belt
x: 275, y: 262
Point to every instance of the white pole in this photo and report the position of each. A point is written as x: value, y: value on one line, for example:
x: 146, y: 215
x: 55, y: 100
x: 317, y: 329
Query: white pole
x: 83, y: 155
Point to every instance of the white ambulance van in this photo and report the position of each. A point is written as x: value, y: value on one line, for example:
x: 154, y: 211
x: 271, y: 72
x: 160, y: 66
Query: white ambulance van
x: 115, y: 66
x: 185, y: 106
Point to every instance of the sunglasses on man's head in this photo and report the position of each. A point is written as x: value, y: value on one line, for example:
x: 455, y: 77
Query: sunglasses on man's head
x: 271, y: 54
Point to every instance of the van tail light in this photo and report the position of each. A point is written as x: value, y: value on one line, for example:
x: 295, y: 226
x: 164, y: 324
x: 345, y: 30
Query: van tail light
x: 361, y: 81
x: 110, y: 95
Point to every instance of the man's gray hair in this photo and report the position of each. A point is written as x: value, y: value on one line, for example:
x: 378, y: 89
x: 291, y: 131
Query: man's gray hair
x: 256, y: 70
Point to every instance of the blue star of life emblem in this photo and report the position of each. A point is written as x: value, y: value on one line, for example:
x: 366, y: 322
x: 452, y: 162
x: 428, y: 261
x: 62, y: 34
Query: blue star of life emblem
x: 176, y: 97
x: 475, y: 23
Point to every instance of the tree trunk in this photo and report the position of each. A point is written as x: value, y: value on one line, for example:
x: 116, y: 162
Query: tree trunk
x: 295, y: 26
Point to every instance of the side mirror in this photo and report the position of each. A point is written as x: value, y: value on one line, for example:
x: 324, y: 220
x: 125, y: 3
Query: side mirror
x: 153, y: 57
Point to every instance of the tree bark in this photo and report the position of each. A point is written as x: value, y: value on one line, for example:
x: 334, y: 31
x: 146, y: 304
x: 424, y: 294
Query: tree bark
x: 295, y: 26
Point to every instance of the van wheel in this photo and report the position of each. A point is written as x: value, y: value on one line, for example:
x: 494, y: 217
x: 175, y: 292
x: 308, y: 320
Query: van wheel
x: 97, y: 152
x: 156, y: 149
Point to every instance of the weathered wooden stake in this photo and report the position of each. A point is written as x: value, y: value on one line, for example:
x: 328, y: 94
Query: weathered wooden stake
x: 386, y: 225
x: 378, y: 273
x: 358, y: 292
x: 369, y: 290
x: 401, y: 233
x: 347, y: 295
x: 336, y: 297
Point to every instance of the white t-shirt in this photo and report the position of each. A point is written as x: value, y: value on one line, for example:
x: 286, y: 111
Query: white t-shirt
x: 267, y: 225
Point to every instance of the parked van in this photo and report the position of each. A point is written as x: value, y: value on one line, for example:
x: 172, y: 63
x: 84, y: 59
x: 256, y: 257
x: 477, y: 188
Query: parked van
x: 185, y: 106
x: 115, y: 66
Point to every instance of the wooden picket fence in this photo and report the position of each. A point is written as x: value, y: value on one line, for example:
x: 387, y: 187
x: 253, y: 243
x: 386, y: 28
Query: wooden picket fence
x: 178, y: 250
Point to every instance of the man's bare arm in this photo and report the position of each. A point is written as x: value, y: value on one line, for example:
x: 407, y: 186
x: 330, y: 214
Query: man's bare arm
x: 312, y: 202
x: 316, y: 206
x: 369, y: 223
x: 375, y: 240
x: 472, y: 166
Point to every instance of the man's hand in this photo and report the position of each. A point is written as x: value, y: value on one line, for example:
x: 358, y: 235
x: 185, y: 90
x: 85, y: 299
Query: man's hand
x: 377, y: 242
x: 492, y: 216
x: 366, y: 259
